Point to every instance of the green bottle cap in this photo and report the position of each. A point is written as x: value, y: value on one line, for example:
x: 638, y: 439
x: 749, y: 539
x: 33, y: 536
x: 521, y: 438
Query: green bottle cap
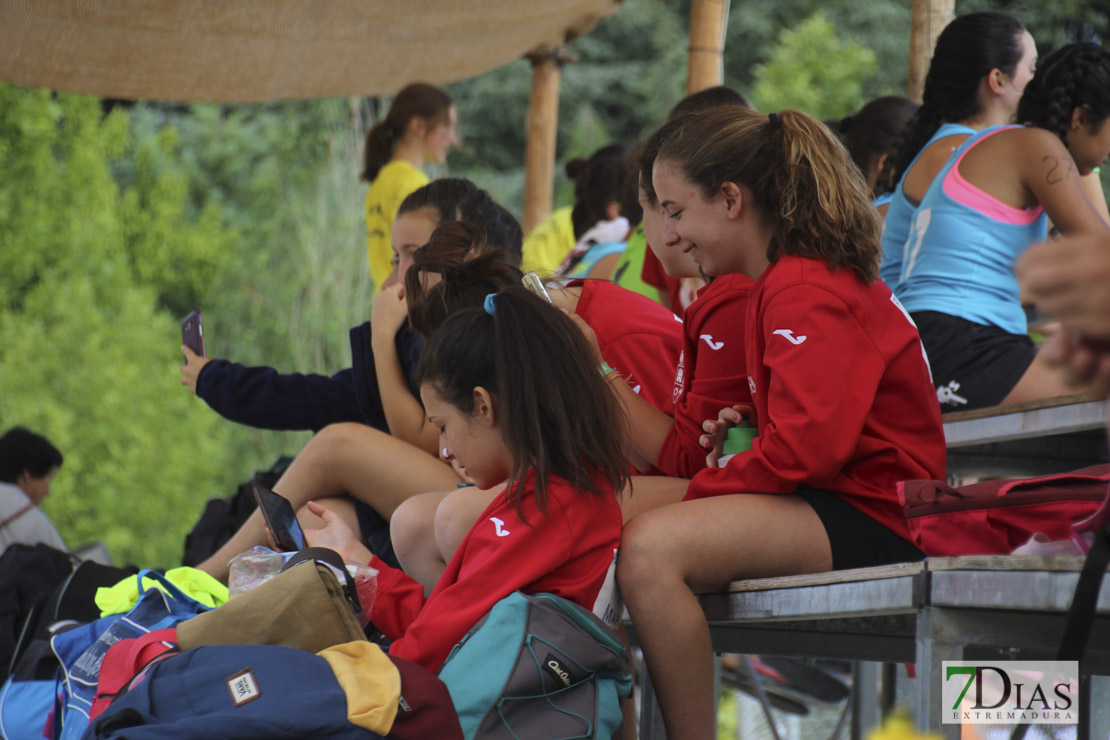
x: 739, y: 438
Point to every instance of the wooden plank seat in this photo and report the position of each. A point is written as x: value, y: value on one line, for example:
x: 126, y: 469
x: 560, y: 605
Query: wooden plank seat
x: 953, y: 608
x: 1049, y: 435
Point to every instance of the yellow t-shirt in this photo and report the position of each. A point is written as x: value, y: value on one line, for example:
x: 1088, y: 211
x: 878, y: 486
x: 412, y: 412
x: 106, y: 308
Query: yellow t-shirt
x: 392, y: 185
x: 548, y: 243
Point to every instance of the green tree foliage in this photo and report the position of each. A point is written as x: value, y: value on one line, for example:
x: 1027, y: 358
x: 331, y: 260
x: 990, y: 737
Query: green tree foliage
x: 84, y: 356
x: 812, y: 70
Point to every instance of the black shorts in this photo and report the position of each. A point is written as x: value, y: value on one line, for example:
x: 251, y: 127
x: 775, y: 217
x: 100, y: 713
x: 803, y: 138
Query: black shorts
x: 857, y: 540
x: 974, y: 365
x: 374, y: 530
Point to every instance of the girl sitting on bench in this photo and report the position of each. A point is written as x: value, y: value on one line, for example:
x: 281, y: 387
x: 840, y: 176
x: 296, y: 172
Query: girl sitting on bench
x: 841, y: 391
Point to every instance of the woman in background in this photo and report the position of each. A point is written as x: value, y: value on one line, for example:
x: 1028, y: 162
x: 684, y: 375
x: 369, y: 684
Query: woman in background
x: 419, y: 128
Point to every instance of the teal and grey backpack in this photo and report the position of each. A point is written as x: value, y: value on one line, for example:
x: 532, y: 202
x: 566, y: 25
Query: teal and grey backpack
x: 538, y: 667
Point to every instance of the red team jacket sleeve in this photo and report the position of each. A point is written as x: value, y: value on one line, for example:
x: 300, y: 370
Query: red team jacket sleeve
x: 821, y: 372
x: 398, y: 601
x: 486, y: 569
x: 712, y: 372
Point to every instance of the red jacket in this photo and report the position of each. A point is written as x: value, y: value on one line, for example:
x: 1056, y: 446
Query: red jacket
x: 711, y: 372
x: 842, y: 392
x: 567, y: 553
x: 637, y: 337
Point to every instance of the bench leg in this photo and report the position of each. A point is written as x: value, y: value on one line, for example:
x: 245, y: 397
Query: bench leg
x: 1098, y: 707
x: 938, y: 640
x: 864, y: 698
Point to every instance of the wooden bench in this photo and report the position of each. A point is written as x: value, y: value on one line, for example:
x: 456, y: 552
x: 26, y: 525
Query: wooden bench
x: 966, y: 608
x: 998, y: 607
x: 1026, y: 439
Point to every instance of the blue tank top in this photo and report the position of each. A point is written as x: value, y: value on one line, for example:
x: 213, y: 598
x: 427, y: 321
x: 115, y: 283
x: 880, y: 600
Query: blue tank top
x: 899, y: 215
x: 962, y: 247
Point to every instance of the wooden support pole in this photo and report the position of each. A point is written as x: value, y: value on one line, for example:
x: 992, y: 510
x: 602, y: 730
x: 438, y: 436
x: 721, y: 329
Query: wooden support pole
x: 929, y: 19
x: 543, y: 122
x: 705, y: 66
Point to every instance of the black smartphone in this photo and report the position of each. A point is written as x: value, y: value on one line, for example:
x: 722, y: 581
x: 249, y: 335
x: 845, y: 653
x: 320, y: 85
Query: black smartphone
x: 192, y: 333
x: 280, y: 518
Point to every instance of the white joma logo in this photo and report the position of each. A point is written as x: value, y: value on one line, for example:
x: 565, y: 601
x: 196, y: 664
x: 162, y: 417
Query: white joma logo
x: 709, y: 340
x: 500, y: 525
x: 789, y: 334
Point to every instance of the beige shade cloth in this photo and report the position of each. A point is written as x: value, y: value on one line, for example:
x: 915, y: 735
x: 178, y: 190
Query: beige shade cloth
x: 250, y: 51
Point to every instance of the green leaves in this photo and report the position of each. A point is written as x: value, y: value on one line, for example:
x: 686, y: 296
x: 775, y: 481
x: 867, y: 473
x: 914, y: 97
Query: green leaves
x: 88, y: 353
x: 813, y: 70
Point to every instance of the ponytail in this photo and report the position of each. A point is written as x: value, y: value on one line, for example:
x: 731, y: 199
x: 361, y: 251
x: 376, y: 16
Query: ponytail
x: 967, y: 50
x: 801, y: 178
x: 469, y: 270
x: 555, y: 414
x: 1074, y: 76
x: 418, y: 99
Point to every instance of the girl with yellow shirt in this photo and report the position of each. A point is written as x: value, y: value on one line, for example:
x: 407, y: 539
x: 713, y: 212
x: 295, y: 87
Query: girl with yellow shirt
x: 419, y: 128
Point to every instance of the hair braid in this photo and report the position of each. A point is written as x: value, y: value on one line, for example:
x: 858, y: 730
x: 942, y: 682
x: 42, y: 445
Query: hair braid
x: 1074, y: 76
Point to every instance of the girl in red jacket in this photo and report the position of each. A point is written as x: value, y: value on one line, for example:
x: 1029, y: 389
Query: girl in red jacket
x: 516, y: 397
x: 840, y: 389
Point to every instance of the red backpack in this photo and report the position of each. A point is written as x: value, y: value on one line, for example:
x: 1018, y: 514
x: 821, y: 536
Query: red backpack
x: 996, y: 516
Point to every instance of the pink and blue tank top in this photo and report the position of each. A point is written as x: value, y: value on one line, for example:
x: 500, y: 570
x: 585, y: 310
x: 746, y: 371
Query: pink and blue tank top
x: 899, y: 215
x: 960, y: 252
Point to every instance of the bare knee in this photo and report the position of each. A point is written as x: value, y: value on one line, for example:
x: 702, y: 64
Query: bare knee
x: 411, y: 528
x: 644, y: 554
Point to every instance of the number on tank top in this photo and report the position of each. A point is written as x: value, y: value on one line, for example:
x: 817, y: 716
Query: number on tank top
x: 921, y: 221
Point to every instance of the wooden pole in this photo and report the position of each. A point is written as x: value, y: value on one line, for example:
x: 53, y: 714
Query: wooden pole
x: 543, y: 122
x: 705, y: 65
x: 929, y: 19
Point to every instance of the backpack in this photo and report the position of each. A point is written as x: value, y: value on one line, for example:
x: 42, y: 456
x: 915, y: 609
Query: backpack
x: 222, y: 517
x: 28, y: 573
x: 538, y: 666
x: 996, y: 516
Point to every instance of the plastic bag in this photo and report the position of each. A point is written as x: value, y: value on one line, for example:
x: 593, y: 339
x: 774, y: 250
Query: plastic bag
x: 366, y: 585
x: 253, y: 568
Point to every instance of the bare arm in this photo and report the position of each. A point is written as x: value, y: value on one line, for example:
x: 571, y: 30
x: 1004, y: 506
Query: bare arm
x: 403, y: 413
x: 1092, y: 183
x: 1048, y: 172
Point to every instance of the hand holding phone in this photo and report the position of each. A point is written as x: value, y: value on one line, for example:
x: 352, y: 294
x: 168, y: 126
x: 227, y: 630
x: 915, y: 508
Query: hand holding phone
x: 192, y: 333
x: 280, y: 518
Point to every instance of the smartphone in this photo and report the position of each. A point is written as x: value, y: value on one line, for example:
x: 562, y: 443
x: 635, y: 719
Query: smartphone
x: 192, y: 333
x: 280, y: 518
x: 533, y: 283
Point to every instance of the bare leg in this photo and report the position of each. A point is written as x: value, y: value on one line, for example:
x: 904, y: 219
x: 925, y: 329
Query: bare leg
x: 457, y: 515
x: 671, y: 553
x: 1041, y: 380
x: 412, y: 529
x: 341, y: 460
x: 650, y: 492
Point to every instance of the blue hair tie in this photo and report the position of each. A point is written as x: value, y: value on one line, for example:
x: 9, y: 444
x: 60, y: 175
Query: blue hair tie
x: 489, y: 303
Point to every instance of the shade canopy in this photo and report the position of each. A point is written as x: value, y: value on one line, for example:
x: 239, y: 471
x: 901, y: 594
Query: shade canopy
x: 249, y: 51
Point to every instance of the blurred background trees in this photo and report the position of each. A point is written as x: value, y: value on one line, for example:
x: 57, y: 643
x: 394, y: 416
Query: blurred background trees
x: 117, y: 219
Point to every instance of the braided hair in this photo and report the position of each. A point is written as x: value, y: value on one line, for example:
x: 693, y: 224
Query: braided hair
x: 967, y: 50
x: 1074, y: 76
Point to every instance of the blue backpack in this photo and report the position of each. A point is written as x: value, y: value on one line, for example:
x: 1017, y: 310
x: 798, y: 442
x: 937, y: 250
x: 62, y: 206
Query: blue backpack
x: 232, y: 692
x: 65, y: 671
x: 538, y: 667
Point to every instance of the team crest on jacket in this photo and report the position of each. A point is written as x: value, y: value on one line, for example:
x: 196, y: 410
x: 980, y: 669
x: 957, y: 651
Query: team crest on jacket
x: 680, y: 377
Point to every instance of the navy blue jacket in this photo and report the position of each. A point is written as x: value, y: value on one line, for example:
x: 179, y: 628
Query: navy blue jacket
x: 262, y: 397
